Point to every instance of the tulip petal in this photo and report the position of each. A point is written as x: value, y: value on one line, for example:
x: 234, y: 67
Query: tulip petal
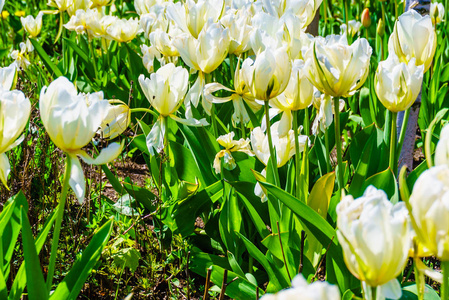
x: 15, y: 143
x: 77, y: 182
x: 190, y: 122
x: 5, y: 168
x: 106, y: 155
x: 211, y: 88
x: 391, y: 289
x: 155, y: 139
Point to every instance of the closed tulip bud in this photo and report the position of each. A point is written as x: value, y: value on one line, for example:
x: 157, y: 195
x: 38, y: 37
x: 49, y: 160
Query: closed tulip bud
x: 398, y: 84
x: 366, y: 19
x: 375, y: 238
x: 431, y: 212
x: 381, y: 28
x: 436, y: 12
x: 268, y: 75
x: 71, y: 121
x: 336, y: 68
x: 414, y: 36
x: 32, y: 26
x: 15, y: 110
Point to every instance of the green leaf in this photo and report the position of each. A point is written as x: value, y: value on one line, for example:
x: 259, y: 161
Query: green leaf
x: 70, y: 287
x: 87, y: 62
x: 20, y: 281
x: 385, y: 181
x: 112, y: 179
x: 10, y: 226
x: 319, y: 227
x: 277, y: 282
x: 189, y: 209
x: 410, y: 292
x: 142, y: 195
x: 319, y: 200
x: 46, y: 59
x: 35, y: 278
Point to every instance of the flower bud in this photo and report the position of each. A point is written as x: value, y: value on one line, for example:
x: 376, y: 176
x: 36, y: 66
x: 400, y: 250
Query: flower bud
x: 366, y: 19
x: 381, y: 28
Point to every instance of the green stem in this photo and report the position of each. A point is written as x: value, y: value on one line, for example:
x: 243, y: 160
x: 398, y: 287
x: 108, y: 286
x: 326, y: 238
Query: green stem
x: 60, y: 213
x: 270, y: 145
x: 346, y: 17
x: 403, y: 130
x: 94, y: 62
x: 374, y: 293
x: 305, y: 166
x: 242, y: 127
x: 338, y: 143
x: 328, y: 155
x: 297, y: 152
x: 445, y: 285
x: 419, y: 280
x: 393, y: 162
x: 134, y: 110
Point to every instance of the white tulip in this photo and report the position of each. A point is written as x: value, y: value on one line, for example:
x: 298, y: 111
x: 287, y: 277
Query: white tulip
x: 32, y: 26
x: 375, y: 238
x: 71, y: 121
x: 398, y: 84
x: 431, y: 211
x: 414, y: 36
x: 165, y: 90
x: 15, y: 110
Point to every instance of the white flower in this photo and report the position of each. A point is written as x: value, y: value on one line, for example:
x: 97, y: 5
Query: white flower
x: 71, y: 121
x: 375, y: 238
x: 15, y: 110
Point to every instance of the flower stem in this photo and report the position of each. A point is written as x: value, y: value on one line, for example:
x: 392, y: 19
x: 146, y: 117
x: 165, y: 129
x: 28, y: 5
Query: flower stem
x: 305, y: 162
x: 328, y: 155
x: 297, y: 159
x: 60, y: 213
x: 445, y: 285
x: 419, y: 279
x: 374, y: 292
x: 393, y: 162
x: 338, y: 143
x: 270, y: 145
x: 403, y: 131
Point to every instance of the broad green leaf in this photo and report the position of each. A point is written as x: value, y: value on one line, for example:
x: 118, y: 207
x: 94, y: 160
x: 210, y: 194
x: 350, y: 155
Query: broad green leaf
x: 276, y: 282
x: 46, y: 59
x: 142, y: 195
x: 20, y: 280
x: 410, y: 292
x: 10, y: 226
x: 319, y: 227
x: 319, y: 200
x: 189, y: 209
x: 240, y: 288
x: 35, y: 279
x: 385, y: 181
x: 70, y: 287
